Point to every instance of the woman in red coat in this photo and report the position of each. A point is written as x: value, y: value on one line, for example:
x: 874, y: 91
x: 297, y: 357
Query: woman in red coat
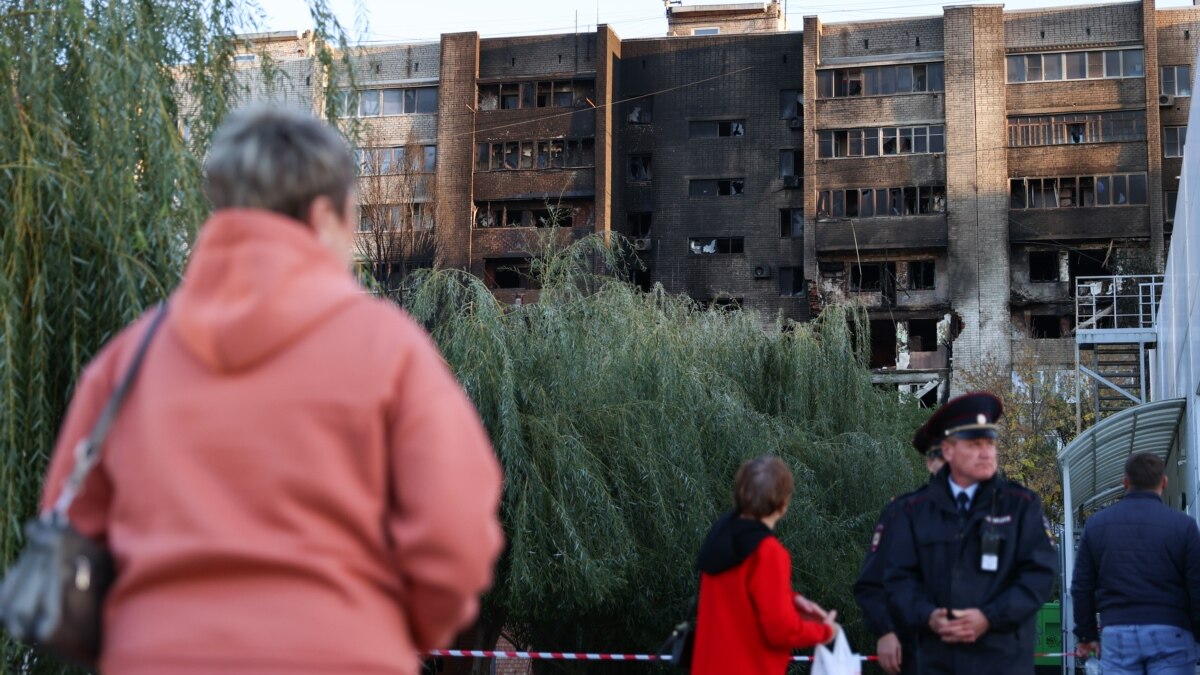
x: 749, y: 620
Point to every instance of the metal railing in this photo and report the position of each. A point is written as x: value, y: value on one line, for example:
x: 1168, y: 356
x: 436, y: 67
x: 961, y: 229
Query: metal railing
x: 1117, y: 302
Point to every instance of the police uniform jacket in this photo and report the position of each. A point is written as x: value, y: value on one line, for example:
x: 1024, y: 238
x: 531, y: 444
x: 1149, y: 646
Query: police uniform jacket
x: 937, y: 562
x: 870, y: 594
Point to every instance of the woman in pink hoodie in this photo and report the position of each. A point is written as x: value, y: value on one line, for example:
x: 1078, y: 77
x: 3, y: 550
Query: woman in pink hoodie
x: 296, y: 482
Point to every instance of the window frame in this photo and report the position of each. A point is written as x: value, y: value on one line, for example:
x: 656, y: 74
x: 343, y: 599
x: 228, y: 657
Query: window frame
x: 1076, y: 65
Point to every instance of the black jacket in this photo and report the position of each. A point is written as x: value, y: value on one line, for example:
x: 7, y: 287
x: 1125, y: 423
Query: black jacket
x: 869, y: 592
x: 936, y: 563
x: 1138, y: 563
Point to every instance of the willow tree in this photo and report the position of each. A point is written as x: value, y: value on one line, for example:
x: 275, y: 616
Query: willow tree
x: 99, y: 196
x: 620, y: 418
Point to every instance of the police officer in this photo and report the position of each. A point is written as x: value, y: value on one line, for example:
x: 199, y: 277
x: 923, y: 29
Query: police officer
x: 895, y: 648
x: 971, y: 559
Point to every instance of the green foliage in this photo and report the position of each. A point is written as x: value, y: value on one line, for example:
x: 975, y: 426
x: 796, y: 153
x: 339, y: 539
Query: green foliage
x: 1039, y: 420
x: 620, y: 418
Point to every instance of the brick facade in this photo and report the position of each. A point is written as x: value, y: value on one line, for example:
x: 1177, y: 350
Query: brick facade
x: 989, y: 259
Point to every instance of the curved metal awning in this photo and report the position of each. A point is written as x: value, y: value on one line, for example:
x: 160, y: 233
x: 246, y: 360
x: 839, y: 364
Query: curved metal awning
x: 1094, y: 463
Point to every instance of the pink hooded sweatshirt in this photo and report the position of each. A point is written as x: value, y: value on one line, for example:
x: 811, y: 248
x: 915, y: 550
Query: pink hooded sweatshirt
x: 296, y: 482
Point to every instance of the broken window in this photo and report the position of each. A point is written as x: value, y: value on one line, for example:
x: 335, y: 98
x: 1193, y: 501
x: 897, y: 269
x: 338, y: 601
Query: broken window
x: 1114, y: 126
x: 910, y: 201
x: 1018, y: 196
x: 933, y: 199
x: 483, y: 153
x: 880, y: 80
x: 1070, y: 191
x: 867, y: 276
x: 507, y: 273
x: 489, y: 96
x: 791, y: 223
x: 791, y: 281
x: 638, y: 224
x: 556, y: 153
x: 716, y: 245
x: 563, y: 95
x: 1173, y: 140
x: 512, y: 151
x: 587, y: 152
x: 639, y: 168
x: 640, y: 110
x: 790, y: 103
x: 527, y: 148
x: 1043, y: 267
x: 791, y: 163
x: 712, y: 187
x: 851, y: 200
x: 717, y: 129
x: 922, y: 334
x: 510, y: 96
x: 920, y: 275
x: 825, y: 204
x: 1048, y: 327
x: 1087, y: 191
x: 848, y: 143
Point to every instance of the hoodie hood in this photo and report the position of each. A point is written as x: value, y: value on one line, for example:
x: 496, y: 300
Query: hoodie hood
x: 256, y: 281
x: 731, y: 540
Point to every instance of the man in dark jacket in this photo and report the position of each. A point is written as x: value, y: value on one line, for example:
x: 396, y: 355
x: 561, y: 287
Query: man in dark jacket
x: 1139, y: 565
x: 896, y: 648
x: 971, y: 559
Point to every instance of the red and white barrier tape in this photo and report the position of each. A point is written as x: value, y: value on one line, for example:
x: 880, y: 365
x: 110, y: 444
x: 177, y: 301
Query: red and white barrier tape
x: 584, y: 656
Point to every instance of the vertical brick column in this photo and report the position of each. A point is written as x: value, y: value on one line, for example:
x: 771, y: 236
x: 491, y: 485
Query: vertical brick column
x: 608, y: 58
x: 812, y: 58
x: 456, y: 148
x: 977, y: 184
x: 1154, y: 150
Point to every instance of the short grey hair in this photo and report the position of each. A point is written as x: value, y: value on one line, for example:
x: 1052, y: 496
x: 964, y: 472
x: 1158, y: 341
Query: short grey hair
x: 279, y: 159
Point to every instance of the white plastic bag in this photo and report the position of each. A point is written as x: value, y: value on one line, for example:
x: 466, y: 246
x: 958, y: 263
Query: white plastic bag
x: 840, y: 661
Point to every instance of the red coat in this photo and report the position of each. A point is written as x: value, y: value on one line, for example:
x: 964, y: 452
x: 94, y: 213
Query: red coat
x: 747, y: 622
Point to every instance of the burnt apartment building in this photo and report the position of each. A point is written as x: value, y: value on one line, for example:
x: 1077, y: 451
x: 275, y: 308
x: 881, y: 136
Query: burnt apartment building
x: 954, y: 173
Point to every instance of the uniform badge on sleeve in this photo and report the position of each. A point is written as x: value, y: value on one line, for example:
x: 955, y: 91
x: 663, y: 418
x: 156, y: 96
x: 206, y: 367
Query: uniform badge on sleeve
x: 1049, y: 531
x: 877, y: 537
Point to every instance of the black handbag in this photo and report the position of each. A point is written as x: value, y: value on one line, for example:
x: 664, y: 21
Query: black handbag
x: 678, y: 647
x: 52, y: 598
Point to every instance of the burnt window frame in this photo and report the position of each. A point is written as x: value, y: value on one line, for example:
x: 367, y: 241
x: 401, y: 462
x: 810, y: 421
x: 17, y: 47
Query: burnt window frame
x: 721, y: 187
x: 722, y: 128
x: 723, y: 245
x: 868, y: 81
x: 1088, y: 191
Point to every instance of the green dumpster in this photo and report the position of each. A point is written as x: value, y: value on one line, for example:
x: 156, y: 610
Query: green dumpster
x: 1049, y: 634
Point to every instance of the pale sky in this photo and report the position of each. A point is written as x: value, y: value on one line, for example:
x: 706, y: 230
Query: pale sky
x: 425, y: 20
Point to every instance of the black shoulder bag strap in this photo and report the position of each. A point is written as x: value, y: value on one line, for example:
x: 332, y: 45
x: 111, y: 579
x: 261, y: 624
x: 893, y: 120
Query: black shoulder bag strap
x: 87, y: 451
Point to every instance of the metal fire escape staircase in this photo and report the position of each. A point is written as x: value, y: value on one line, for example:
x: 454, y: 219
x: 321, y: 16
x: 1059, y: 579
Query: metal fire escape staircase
x: 1114, y: 331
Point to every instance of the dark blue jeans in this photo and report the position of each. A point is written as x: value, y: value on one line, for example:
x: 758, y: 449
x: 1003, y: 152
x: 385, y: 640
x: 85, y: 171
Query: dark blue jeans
x: 1147, y: 650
